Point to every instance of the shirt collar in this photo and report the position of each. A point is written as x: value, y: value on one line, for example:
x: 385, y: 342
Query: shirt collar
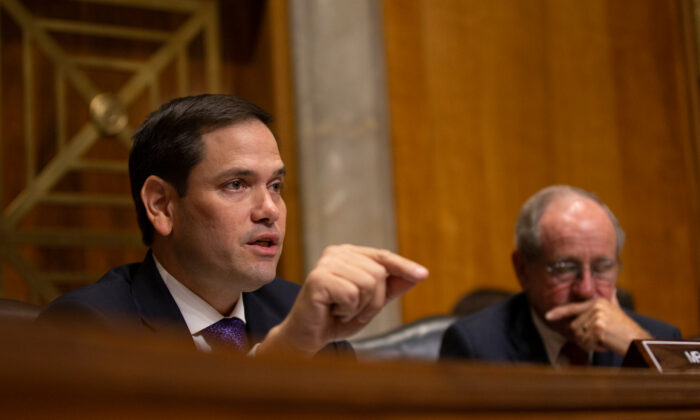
x: 197, y: 312
x: 552, y: 340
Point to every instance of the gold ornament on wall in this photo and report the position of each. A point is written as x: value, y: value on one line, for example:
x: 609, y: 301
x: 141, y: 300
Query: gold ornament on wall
x: 95, y: 98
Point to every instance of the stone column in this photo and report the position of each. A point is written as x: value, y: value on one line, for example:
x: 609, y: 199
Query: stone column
x: 344, y: 146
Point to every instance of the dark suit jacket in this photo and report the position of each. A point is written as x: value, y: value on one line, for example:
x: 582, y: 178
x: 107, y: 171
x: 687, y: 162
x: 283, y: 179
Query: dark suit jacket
x: 505, y: 332
x: 135, y: 296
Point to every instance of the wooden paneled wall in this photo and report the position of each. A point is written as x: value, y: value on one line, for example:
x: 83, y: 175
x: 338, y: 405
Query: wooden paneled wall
x: 57, y: 246
x: 491, y: 101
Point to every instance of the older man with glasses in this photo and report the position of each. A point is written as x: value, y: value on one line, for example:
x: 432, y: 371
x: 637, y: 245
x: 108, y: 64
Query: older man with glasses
x: 567, y: 261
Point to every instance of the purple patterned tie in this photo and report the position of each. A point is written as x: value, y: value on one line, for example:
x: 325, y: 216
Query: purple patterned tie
x: 228, y: 332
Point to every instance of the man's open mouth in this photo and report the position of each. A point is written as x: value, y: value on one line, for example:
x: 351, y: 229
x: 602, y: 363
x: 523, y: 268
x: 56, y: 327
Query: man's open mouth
x: 264, y: 241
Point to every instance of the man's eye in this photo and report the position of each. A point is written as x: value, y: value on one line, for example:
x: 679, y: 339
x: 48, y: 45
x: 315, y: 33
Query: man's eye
x: 236, y: 184
x: 562, y: 267
x: 602, y: 267
x: 276, y: 187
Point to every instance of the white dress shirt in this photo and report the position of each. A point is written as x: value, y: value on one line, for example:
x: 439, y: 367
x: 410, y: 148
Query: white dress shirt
x: 197, y: 312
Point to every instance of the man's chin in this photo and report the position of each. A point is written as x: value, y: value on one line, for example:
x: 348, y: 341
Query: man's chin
x: 257, y: 280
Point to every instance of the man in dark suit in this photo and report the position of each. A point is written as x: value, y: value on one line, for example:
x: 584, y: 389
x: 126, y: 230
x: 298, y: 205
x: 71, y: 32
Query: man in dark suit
x: 206, y: 178
x: 567, y: 262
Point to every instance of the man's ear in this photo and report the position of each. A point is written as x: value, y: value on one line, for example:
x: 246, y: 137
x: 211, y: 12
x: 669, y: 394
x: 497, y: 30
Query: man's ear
x: 158, y: 198
x: 520, y: 267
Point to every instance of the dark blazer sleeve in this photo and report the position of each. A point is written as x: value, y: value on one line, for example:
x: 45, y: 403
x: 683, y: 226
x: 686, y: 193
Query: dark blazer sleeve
x: 503, y: 332
x: 658, y: 329
x: 98, y: 305
x: 68, y: 312
x: 456, y: 344
x: 131, y: 296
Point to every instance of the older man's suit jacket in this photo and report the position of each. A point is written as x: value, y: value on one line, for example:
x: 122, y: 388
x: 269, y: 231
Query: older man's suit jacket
x: 505, y: 332
x: 135, y: 296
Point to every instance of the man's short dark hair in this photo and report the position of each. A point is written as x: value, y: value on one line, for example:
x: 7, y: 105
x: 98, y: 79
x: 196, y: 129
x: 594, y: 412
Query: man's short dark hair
x: 168, y: 144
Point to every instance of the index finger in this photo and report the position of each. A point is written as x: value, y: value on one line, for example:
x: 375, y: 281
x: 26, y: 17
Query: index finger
x: 614, y: 299
x: 395, y: 264
x: 570, y: 309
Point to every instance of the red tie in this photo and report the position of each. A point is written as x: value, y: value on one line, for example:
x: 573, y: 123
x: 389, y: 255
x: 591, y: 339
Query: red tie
x: 576, y: 355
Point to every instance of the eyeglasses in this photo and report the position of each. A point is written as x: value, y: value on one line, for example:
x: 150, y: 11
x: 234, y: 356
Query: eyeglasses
x: 567, y: 271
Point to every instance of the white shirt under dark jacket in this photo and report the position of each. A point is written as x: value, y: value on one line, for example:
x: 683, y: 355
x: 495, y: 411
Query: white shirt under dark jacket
x: 197, y: 312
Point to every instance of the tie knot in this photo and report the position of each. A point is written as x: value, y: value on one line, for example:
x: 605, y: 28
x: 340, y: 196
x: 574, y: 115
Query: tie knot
x: 228, y: 332
x: 576, y: 355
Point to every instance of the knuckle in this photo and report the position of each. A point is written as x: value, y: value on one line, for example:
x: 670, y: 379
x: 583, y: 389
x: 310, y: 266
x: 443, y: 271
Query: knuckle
x: 334, y: 251
x: 598, y: 325
x: 376, y: 305
x: 367, y: 284
x: 330, y: 250
x: 349, y: 300
x: 383, y: 255
x: 314, y: 276
x: 344, y: 248
x: 378, y: 272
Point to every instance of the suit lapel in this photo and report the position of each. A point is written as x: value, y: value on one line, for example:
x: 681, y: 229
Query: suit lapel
x: 258, y: 320
x: 267, y: 307
x: 155, y: 304
x: 525, y: 340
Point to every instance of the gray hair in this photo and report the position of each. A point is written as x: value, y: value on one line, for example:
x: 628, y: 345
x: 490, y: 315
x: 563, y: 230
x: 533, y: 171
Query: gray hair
x: 527, y: 228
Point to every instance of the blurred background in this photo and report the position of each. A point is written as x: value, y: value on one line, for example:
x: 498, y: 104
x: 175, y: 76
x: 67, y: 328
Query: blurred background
x: 420, y: 126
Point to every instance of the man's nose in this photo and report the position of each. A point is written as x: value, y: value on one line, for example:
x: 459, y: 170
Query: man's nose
x: 585, y: 286
x: 265, y: 207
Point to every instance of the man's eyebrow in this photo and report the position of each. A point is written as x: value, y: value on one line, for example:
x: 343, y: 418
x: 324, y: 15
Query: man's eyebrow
x: 248, y: 172
x: 567, y: 258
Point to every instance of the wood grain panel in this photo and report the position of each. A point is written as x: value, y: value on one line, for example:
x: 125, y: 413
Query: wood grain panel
x: 61, y: 375
x: 251, y: 39
x: 491, y: 101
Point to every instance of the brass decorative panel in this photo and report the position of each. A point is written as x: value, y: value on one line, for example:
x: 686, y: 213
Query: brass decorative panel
x: 77, y: 76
